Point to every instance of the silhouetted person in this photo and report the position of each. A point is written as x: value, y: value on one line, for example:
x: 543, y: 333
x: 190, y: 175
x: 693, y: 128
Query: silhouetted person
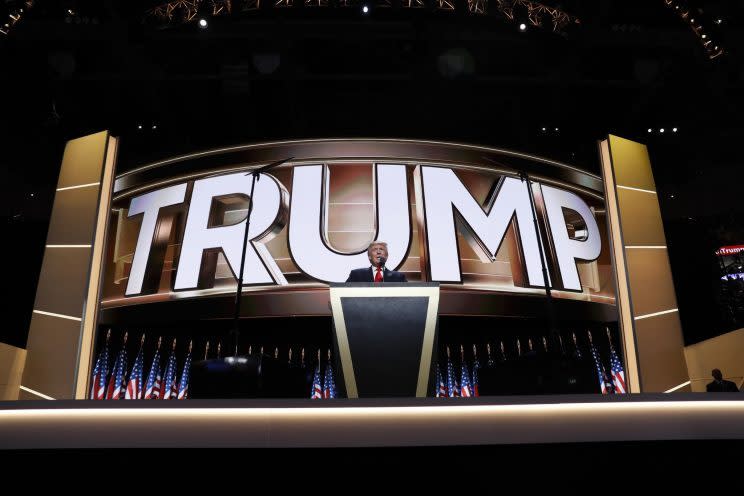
x: 720, y: 385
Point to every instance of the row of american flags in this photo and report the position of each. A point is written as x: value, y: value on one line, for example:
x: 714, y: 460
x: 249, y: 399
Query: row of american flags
x: 118, y: 382
x: 451, y: 382
x: 455, y: 378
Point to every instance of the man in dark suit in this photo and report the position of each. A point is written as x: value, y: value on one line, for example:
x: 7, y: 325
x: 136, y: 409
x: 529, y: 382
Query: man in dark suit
x: 720, y: 385
x: 376, y: 272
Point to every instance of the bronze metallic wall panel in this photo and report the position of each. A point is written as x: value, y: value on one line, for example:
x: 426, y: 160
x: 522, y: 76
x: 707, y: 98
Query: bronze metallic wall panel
x: 73, y: 216
x: 722, y: 352
x: 63, y: 281
x: 640, y: 218
x: 82, y: 160
x: 643, y: 275
x: 661, y: 352
x: 651, y: 286
x: 635, y: 171
x: 12, y: 361
x: 66, y: 278
x: 52, y: 358
x: 25, y: 395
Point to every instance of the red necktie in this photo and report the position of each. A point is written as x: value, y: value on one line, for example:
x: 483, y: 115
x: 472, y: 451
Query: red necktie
x: 378, y: 275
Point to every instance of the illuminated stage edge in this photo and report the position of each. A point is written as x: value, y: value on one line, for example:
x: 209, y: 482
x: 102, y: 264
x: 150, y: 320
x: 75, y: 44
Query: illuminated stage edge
x: 371, y: 422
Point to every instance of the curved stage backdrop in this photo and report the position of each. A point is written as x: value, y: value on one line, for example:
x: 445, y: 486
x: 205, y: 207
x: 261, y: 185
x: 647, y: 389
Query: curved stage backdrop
x: 165, y: 240
x: 455, y: 214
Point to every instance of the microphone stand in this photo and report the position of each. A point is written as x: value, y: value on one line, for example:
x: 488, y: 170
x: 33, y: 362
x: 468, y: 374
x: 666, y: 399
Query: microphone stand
x: 255, y: 176
x: 523, y: 176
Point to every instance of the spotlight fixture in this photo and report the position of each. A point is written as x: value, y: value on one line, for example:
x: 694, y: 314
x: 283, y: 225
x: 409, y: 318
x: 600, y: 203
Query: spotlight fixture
x: 704, y: 36
x: 523, y: 27
x: 556, y: 130
x: 203, y: 23
x: 543, y: 129
x: 661, y: 130
x: 674, y: 129
x: 719, y: 21
x: 365, y: 9
x: 650, y: 130
x: 154, y: 127
x: 139, y: 126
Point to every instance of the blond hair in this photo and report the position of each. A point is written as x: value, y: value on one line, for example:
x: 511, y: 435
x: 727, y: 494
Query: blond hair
x: 375, y: 243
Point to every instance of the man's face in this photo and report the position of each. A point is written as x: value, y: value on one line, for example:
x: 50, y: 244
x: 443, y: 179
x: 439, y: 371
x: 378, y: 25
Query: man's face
x: 375, y: 252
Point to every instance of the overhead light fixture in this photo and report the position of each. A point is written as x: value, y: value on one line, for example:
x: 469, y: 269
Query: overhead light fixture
x: 203, y: 23
x: 523, y: 27
x: 365, y: 9
x: 661, y: 130
x: 674, y: 129
x: 650, y: 130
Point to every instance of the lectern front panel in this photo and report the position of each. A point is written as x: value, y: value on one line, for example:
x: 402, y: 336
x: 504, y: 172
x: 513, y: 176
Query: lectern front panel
x: 385, y: 335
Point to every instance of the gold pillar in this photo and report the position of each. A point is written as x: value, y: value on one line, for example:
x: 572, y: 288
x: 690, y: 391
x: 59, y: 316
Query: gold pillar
x: 61, y: 332
x: 647, y: 304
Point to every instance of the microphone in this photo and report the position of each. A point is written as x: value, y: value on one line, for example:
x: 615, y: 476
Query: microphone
x: 381, y: 261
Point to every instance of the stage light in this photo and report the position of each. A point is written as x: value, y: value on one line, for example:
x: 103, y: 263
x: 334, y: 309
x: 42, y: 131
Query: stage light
x: 661, y: 130
x: 32, y: 195
x: 154, y: 127
x: 523, y: 27
x: 719, y: 21
x: 139, y: 126
x: 704, y: 36
x: 556, y: 130
x: 203, y: 23
x: 365, y: 9
x: 674, y: 129
x: 543, y: 129
x: 650, y: 130
x: 671, y: 196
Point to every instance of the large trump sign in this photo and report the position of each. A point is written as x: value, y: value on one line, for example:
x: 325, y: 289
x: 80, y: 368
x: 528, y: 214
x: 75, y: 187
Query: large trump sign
x: 468, y: 217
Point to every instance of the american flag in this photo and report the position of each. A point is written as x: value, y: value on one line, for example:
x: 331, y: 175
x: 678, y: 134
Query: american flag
x: 152, y: 389
x: 117, y: 382
x: 183, y: 384
x: 476, y: 366
x: 329, y: 389
x: 170, y: 388
x: 466, y: 390
x: 100, y: 374
x: 604, y: 385
x: 618, y: 374
x: 441, y: 391
x: 317, y: 391
x: 453, y: 389
x: 135, y: 384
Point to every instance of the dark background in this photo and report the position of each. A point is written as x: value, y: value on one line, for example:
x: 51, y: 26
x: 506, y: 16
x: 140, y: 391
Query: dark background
x: 71, y: 68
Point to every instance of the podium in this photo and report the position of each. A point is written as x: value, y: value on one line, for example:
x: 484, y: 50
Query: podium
x: 385, y: 335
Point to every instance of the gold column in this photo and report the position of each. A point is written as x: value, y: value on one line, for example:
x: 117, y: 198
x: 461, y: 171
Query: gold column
x: 649, y: 317
x: 61, y: 332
